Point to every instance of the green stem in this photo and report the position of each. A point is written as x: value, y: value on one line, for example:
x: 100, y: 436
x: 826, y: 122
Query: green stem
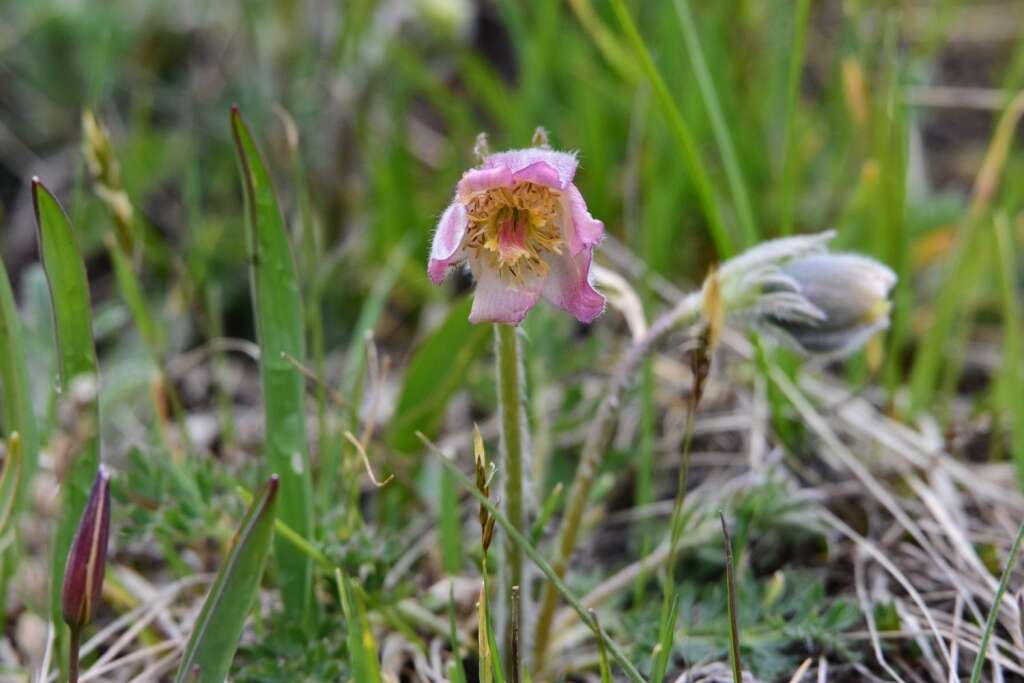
x: 680, y: 501
x: 730, y: 587
x: 73, y: 652
x: 719, y: 126
x: 796, y: 62
x: 993, y: 616
x: 510, y: 391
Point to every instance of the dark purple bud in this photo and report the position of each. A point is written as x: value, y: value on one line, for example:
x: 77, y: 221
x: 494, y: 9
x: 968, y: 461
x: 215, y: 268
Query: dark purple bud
x: 87, y: 559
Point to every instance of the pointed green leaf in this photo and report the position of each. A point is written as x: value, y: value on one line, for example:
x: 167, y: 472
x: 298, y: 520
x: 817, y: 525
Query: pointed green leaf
x: 131, y: 291
x: 10, y: 477
x: 79, y: 379
x: 215, y: 636
x: 280, y: 329
x: 18, y: 415
x: 362, y: 647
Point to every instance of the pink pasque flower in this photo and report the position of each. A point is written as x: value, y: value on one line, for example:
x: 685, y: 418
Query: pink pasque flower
x: 525, y: 230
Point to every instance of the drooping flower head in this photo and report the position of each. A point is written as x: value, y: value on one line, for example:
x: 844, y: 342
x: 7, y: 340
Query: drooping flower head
x: 852, y: 293
x: 523, y: 227
x: 821, y: 303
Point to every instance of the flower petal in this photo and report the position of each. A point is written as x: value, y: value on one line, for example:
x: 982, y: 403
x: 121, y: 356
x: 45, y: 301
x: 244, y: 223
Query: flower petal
x: 581, y: 230
x: 501, y: 301
x: 538, y: 165
x: 446, y: 249
x: 539, y: 173
x: 482, y: 179
x: 568, y: 286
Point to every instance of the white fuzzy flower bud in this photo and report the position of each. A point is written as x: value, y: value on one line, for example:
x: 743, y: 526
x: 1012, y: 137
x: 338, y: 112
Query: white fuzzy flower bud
x: 820, y: 303
x: 852, y: 294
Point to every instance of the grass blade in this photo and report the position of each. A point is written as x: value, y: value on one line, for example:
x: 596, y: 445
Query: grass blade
x: 450, y: 524
x: 602, y: 651
x: 730, y: 588
x: 19, y: 421
x: 990, y: 623
x: 684, y: 137
x: 18, y: 414
x: 69, y: 292
x: 456, y: 672
x: 666, y: 634
x: 281, y: 332
x: 131, y: 291
x: 490, y: 660
x: 787, y: 188
x: 484, y: 638
x: 932, y: 358
x: 719, y: 126
x: 215, y: 636
x: 362, y: 647
x: 1011, y: 379
x: 10, y: 477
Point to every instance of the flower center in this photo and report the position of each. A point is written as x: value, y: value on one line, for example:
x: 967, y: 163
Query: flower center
x: 514, y: 227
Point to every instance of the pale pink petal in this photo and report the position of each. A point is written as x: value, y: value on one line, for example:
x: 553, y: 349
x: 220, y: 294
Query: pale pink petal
x: 501, y: 301
x: 446, y: 250
x: 518, y: 160
x: 568, y: 286
x: 580, y: 230
x: 539, y: 173
x: 482, y: 179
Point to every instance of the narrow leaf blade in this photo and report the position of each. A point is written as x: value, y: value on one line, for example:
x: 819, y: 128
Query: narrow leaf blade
x: 281, y: 332
x: 18, y: 415
x: 362, y: 646
x: 215, y: 636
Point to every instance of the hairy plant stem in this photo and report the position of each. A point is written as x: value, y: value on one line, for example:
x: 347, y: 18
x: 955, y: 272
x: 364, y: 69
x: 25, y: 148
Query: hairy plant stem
x: 594, y: 446
x: 510, y: 393
x: 73, y: 647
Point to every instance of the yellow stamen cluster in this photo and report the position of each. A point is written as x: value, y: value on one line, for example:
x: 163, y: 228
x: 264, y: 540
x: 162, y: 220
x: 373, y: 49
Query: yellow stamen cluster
x: 514, y: 227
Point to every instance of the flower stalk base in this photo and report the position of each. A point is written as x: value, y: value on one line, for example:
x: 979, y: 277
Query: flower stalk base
x: 513, y: 472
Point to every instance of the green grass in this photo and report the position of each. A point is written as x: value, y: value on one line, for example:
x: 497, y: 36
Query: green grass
x: 243, y: 333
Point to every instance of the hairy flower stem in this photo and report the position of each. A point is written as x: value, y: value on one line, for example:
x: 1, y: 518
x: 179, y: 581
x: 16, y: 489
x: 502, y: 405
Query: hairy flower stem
x: 510, y: 393
x: 75, y: 639
x: 594, y: 446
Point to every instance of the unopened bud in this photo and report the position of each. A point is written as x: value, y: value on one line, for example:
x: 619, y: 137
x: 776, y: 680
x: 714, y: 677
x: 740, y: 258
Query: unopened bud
x: 87, y: 559
x: 851, y: 292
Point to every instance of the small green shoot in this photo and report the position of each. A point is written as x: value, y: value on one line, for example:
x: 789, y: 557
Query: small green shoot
x: 214, y: 639
x: 362, y: 647
x: 730, y: 588
x: 993, y: 616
